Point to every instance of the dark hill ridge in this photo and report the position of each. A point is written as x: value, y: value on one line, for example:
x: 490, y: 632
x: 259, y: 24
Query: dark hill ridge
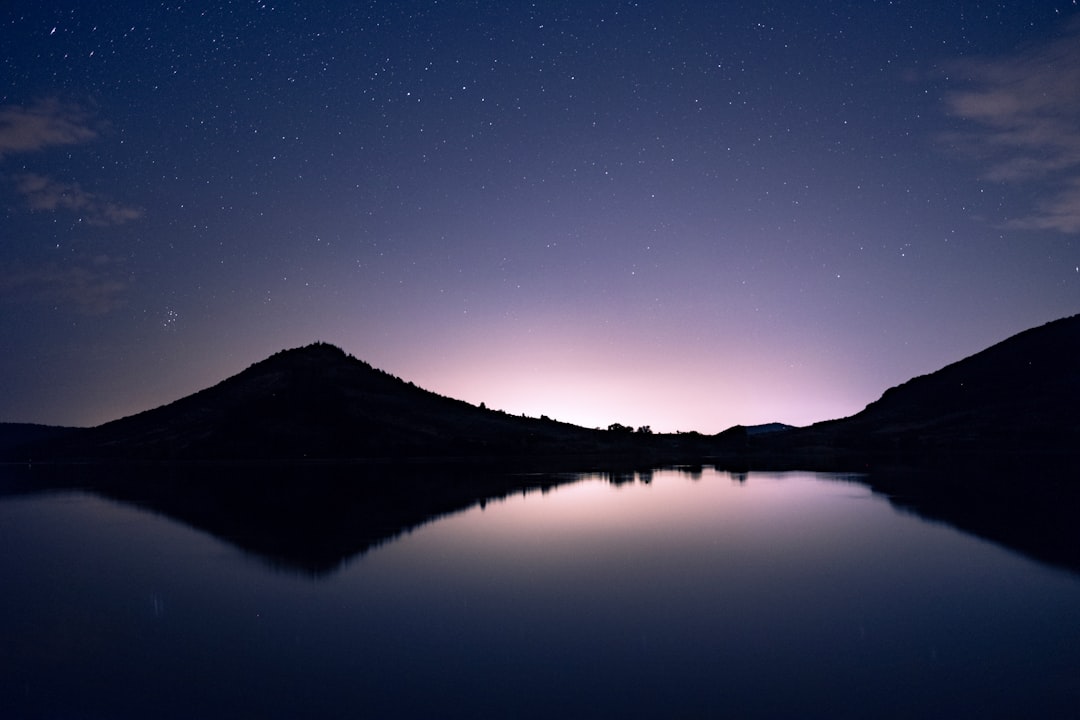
x: 1019, y: 382
x: 1018, y: 397
x: 16, y: 435
x: 317, y: 402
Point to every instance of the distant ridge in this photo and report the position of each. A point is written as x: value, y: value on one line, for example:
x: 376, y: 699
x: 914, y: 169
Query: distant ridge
x: 1020, y: 397
x: 16, y: 435
x: 768, y: 428
x: 318, y: 403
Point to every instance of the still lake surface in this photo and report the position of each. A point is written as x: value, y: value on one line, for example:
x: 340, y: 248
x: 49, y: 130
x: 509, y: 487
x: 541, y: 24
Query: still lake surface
x: 676, y: 594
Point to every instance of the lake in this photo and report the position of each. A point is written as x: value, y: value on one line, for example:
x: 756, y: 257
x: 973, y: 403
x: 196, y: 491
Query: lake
x: 662, y: 594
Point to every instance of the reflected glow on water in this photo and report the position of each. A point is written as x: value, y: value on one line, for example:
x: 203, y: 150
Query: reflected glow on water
x: 708, y: 595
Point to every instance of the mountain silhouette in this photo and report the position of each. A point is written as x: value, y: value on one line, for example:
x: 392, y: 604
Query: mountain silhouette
x: 317, y: 402
x: 1019, y: 398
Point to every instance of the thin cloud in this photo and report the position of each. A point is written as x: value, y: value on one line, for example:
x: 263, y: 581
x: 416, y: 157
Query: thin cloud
x: 45, y: 194
x: 44, y: 124
x: 1061, y: 212
x: 51, y: 123
x: 1025, y: 110
x: 92, y: 288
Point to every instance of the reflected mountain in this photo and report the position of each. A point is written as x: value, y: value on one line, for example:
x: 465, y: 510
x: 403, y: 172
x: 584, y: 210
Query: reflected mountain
x: 313, y: 519
x: 308, y: 518
x: 1032, y: 511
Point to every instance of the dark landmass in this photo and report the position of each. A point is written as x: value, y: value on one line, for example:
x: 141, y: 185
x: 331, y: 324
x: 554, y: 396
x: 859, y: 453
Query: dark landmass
x: 15, y: 436
x: 1015, y: 405
x: 768, y: 428
x: 1015, y: 402
x: 318, y: 403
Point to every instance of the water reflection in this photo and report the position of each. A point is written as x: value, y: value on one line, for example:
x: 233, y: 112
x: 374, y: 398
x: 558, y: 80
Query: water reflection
x: 312, y: 519
x: 659, y: 594
x: 1034, y: 515
x: 662, y: 593
x: 307, y: 518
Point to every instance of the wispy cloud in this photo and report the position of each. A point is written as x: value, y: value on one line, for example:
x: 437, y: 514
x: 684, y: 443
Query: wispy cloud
x: 1025, y: 113
x: 1060, y: 212
x: 44, y: 124
x: 93, y: 287
x: 50, y: 123
x: 44, y: 193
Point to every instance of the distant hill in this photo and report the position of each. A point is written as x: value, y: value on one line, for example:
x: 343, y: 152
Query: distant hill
x: 318, y: 403
x: 16, y: 435
x: 314, y: 402
x: 1020, y: 397
x: 767, y: 428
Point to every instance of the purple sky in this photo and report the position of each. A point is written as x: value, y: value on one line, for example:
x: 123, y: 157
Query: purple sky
x: 686, y: 214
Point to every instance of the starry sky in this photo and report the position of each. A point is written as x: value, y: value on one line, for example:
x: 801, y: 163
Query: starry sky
x: 678, y: 214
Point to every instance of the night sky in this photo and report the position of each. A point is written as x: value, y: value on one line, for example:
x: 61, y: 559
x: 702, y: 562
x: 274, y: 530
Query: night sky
x: 681, y: 214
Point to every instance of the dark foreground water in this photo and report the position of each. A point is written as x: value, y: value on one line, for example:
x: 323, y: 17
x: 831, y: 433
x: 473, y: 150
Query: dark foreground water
x: 691, y: 595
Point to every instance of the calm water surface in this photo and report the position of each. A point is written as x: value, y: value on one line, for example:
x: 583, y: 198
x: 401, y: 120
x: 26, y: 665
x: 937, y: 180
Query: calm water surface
x: 691, y: 595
